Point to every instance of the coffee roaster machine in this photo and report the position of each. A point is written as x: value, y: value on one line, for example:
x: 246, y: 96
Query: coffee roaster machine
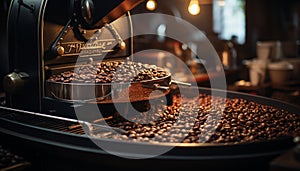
x: 59, y: 32
x: 46, y: 37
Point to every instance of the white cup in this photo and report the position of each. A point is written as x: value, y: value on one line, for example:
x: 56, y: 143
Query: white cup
x: 254, y: 77
x: 257, y: 71
x: 269, y: 50
x: 264, y: 50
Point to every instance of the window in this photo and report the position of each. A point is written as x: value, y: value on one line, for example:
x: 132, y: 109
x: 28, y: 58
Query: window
x: 229, y: 19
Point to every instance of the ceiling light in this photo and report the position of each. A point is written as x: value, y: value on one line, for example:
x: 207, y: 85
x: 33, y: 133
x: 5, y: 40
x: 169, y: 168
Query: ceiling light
x: 151, y: 5
x: 194, y: 7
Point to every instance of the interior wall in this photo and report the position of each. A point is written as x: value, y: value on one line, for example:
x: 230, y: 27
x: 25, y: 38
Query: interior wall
x: 273, y: 20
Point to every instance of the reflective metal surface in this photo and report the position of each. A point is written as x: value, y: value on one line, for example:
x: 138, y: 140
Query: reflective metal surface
x: 106, y: 92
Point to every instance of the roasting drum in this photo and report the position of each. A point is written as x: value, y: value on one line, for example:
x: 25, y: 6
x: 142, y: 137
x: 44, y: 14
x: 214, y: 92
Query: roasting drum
x: 106, y: 93
x: 69, y: 150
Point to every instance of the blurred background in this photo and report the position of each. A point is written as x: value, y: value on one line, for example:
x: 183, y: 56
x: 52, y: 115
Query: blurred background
x: 256, y: 40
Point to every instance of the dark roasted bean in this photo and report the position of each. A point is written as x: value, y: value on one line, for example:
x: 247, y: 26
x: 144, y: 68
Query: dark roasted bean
x: 241, y: 121
x: 107, y: 72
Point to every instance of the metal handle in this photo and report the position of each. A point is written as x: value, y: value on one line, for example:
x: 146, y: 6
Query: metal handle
x: 181, y: 83
x: 121, y: 43
x: 166, y: 88
x: 156, y: 87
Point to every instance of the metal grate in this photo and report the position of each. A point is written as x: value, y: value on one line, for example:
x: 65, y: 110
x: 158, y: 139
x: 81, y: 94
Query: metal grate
x: 44, y: 122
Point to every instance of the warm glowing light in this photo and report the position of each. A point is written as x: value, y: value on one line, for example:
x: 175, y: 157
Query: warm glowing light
x: 225, y: 57
x: 151, y: 5
x: 194, y: 7
x: 221, y: 3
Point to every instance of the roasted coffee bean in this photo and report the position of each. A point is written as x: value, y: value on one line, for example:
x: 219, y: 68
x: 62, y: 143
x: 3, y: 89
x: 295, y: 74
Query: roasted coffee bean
x: 203, y: 120
x: 107, y: 72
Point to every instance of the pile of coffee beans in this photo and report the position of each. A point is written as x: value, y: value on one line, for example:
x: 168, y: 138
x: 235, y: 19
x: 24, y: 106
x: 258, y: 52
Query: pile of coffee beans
x: 107, y: 72
x: 208, y: 119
